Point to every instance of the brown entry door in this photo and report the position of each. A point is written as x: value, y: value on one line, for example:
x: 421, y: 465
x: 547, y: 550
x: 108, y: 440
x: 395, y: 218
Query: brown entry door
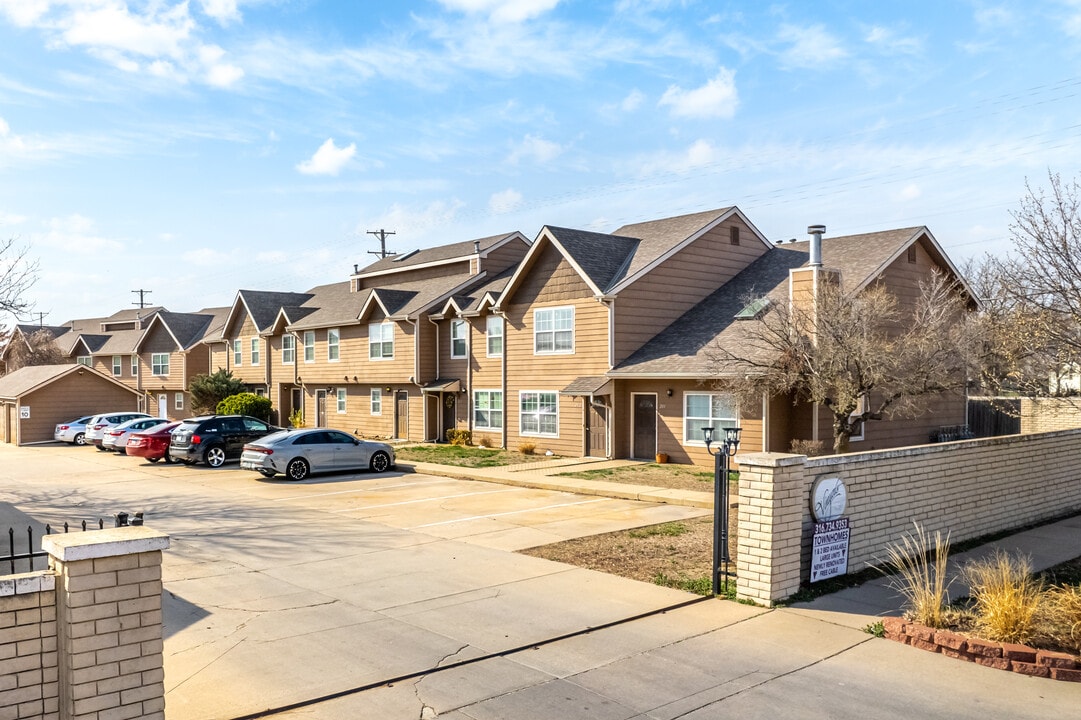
x: 645, y: 427
x: 597, y: 431
x: 401, y: 415
x: 320, y: 408
x: 450, y: 417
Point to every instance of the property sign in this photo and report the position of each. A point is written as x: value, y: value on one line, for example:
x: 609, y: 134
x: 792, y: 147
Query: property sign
x: 24, y: 412
x: 829, y: 553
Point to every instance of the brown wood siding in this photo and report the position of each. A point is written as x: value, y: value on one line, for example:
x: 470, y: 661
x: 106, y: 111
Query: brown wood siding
x: 427, y: 334
x: 504, y: 257
x: 160, y: 341
x: 242, y: 328
x: 407, y: 275
x: 352, y: 357
x: 485, y: 373
x: 679, y: 283
x: 280, y: 373
x: 67, y: 398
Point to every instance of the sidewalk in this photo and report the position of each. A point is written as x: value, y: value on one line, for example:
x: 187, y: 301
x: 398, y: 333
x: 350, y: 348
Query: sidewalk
x: 854, y: 607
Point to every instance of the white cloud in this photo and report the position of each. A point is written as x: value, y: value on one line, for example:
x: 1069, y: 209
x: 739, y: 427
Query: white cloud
x: 224, y: 11
x: 504, y: 201
x: 76, y: 235
x: 509, y: 11
x: 329, y: 159
x: 414, y: 221
x: 206, y: 257
x: 698, y: 155
x: 633, y: 101
x: 909, y: 192
x: 11, y: 219
x: 809, y: 47
x: 889, y: 42
x: 24, y: 13
x: 717, y: 98
x: 535, y: 148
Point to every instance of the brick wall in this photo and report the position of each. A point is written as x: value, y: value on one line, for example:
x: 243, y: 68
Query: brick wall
x: 28, y: 677
x: 968, y: 488
x: 83, y: 641
x: 1039, y: 415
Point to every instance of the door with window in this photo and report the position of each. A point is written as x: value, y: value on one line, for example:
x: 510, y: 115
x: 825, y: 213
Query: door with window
x: 450, y: 416
x: 320, y: 408
x: 163, y: 405
x: 401, y: 414
x: 644, y: 439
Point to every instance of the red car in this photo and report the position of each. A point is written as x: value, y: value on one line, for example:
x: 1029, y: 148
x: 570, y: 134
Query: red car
x: 153, y: 444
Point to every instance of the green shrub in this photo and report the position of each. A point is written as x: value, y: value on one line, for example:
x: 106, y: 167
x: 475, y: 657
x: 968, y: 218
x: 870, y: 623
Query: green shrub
x: 207, y: 391
x: 460, y: 437
x: 246, y: 404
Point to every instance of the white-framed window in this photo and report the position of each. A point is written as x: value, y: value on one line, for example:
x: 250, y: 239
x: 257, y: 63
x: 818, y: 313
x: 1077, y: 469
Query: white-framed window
x: 377, y: 401
x: 85, y: 360
x: 341, y: 401
x: 309, y: 346
x: 135, y: 366
x: 238, y: 353
x: 334, y: 339
x: 159, y: 363
x: 178, y: 401
x: 488, y: 410
x: 553, y: 330
x: 493, y: 332
x: 260, y: 391
x: 255, y: 351
x: 118, y: 365
x: 538, y: 413
x: 289, y: 349
x: 381, y: 341
x: 860, y: 409
x: 458, y: 329
x: 702, y: 410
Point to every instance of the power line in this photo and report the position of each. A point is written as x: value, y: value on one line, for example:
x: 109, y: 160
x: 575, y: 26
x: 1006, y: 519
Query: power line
x: 382, y: 251
x: 142, y: 297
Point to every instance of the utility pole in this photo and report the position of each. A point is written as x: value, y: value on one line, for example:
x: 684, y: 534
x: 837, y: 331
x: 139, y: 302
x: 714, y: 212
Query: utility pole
x: 142, y: 297
x: 41, y: 319
x: 382, y: 251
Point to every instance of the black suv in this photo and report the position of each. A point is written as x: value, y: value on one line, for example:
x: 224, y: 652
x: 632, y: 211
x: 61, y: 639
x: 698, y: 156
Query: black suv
x: 213, y: 439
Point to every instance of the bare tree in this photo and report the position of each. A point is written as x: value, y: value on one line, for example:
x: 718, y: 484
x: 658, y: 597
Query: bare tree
x: 1031, y: 299
x: 37, y: 348
x: 18, y: 273
x: 860, y: 355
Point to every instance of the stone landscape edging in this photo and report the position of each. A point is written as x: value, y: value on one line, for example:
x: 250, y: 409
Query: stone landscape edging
x: 1003, y: 656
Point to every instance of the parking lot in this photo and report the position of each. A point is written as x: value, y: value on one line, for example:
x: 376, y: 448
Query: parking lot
x: 394, y: 596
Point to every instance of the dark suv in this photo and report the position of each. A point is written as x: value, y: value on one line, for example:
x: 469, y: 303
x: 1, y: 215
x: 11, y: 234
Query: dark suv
x: 213, y: 439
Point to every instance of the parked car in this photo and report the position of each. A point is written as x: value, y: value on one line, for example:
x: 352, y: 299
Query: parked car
x: 152, y: 443
x: 213, y: 439
x: 72, y: 431
x: 116, y: 437
x: 298, y: 453
x: 95, y: 428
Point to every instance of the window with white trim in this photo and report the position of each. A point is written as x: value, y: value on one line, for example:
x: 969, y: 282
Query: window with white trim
x: 289, y: 350
x: 493, y: 332
x: 341, y: 401
x: 857, y: 436
x: 457, y: 338
x: 377, y: 401
x: 702, y: 410
x: 334, y: 339
x: 85, y: 360
x: 309, y: 346
x: 238, y: 353
x: 488, y: 410
x: 553, y: 330
x: 135, y: 366
x: 381, y: 341
x: 538, y: 413
x: 118, y: 366
x: 159, y: 363
x: 178, y: 401
x: 255, y: 351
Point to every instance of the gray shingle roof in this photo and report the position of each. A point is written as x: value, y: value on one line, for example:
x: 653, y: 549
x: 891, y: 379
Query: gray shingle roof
x: 659, y: 236
x: 120, y: 342
x: 327, y: 306
x: 187, y: 328
x: 602, y: 257
x: 442, y: 253
x: 263, y: 306
x: 25, y: 379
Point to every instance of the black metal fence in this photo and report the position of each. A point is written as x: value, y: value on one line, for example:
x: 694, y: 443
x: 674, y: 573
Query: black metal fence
x: 991, y: 417
x: 30, y: 554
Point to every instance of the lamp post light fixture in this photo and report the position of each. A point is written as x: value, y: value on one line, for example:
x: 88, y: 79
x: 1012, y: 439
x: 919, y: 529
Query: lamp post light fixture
x: 725, y: 449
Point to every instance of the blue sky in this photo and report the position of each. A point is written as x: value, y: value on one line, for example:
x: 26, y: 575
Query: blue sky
x: 195, y: 148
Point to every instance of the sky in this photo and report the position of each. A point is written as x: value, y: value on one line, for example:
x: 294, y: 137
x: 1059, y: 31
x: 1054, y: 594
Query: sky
x: 191, y: 149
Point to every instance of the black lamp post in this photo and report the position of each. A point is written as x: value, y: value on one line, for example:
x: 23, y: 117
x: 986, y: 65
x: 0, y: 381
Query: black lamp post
x: 726, y: 449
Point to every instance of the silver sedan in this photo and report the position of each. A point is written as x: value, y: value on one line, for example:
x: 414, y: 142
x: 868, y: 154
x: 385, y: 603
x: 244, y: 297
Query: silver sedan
x: 298, y: 453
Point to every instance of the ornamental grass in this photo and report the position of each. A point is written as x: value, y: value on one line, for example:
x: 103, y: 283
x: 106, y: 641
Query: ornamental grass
x: 1006, y: 597
x: 918, y: 564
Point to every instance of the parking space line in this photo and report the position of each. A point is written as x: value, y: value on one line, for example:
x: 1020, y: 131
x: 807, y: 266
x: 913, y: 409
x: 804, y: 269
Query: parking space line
x: 502, y: 514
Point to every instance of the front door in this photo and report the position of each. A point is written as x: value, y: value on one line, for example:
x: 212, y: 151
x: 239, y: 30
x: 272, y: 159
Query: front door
x: 320, y: 408
x: 450, y: 417
x: 401, y: 414
x: 296, y: 401
x: 644, y: 441
x: 596, y: 430
x: 163, y: 405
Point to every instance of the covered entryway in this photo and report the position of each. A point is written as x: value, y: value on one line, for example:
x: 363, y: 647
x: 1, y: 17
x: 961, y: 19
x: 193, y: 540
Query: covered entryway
x: 595, y: 391
x: 644, y: 431
x: 445, y: 391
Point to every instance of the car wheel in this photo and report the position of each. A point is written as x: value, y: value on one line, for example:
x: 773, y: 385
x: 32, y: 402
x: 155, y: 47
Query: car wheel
x: 297, y: 469
x: 80, y: 439
x: 379, y: 462
x: 153, y: 459
x: 214, y: 456
x: 267, y: 473
x: 168, y: 458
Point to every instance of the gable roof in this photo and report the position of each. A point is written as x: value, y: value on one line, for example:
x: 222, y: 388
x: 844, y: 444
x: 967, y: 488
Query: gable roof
x: 683, y: 349
x: 262, y: 307
x: 24, y: 380
x: 442, y: 254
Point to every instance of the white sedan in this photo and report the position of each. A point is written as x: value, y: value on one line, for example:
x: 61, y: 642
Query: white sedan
x: 298, y: 453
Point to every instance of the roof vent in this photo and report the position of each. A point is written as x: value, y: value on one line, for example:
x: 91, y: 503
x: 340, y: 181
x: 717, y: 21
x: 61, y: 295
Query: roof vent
x: 476, y: 246
x: 816, y: 232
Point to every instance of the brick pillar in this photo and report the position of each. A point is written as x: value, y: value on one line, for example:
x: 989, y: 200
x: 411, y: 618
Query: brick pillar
x: 28, y: 682
x: 772, y: 505
x: 108, y: 622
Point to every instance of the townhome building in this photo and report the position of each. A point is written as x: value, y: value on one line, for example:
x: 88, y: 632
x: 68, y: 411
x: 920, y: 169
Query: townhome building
x: 171, y: 351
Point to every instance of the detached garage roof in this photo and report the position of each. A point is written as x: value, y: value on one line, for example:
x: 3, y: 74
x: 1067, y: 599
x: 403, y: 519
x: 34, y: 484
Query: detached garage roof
x: 27, y: 379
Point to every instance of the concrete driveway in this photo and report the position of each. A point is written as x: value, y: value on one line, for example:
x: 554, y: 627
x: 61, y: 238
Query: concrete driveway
x: 395, y: 596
